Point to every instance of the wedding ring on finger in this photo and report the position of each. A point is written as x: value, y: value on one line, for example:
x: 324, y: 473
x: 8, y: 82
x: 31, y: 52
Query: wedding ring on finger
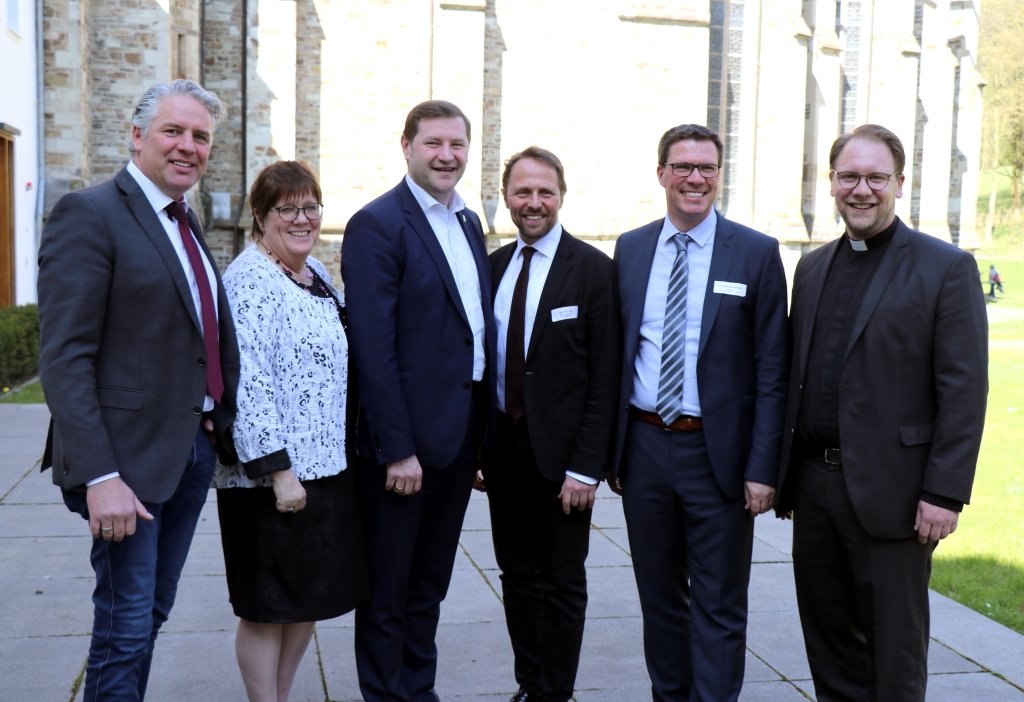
x: 107, y: 529
x: 398, y: 490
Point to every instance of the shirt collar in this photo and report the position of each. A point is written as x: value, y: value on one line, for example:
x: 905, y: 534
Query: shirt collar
x: 880, y: 239
x: 158, y: 199
x: 546, y: 245
x: 699, y: 235
x: 427, y: 201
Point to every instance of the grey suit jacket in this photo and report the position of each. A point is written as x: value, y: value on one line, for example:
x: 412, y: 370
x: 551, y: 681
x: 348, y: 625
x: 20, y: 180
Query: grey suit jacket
x: 913, y: 384
x: 122, y: 361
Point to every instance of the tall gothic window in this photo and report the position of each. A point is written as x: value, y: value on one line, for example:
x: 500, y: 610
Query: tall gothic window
x: 724, y: 86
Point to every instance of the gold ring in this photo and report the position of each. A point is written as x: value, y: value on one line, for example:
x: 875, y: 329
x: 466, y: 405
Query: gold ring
x: 291, y: 509
x: 398, y: 490
x: 106, y: 529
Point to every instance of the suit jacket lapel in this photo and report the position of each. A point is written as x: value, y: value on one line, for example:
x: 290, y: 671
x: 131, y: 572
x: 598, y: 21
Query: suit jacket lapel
x: 637, y: 274
x: 148, y: 220
x: 418, y: 221
x: 811, y: 287
x: 500, y: 263
x: 894, y: 254
x: 721, y: 263
x: 475, y: 237
x: 561, y: 267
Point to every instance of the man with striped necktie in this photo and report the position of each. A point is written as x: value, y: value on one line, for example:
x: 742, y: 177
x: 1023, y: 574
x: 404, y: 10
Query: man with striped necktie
x: 703, y: 306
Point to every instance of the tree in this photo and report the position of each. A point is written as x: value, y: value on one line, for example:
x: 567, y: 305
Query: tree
x: 1001, y: 62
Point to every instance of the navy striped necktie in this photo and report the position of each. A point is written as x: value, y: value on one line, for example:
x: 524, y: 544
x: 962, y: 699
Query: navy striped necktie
x: 673, y: 338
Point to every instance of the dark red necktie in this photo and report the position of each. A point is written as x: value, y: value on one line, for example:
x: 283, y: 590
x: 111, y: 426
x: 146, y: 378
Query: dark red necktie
x: 515, y: 355
x: 214, y: 377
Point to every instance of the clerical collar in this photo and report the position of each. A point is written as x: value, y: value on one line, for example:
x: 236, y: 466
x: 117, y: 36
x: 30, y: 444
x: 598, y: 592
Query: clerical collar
x: 880, y: 239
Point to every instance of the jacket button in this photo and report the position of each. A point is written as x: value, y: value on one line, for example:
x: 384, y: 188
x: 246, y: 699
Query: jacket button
x: 197, y: 410
x: 201, y: 361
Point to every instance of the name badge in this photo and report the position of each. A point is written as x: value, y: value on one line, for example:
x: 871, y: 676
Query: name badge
x: 724, y: 287
x: 563, y: 313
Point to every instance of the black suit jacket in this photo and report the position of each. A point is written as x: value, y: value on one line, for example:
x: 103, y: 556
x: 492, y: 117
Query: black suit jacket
x: 913, y: 384
x: 572, y: 364
x: 122, y: 360
x: 409, y: 334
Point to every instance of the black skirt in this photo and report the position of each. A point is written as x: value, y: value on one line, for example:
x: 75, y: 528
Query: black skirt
x: 293, y: 567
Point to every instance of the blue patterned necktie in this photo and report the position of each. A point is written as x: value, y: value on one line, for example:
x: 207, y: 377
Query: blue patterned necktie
x: 670, y: 387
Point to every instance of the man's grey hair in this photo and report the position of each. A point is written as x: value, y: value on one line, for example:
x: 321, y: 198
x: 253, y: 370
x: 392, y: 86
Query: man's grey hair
x: 149, y: 103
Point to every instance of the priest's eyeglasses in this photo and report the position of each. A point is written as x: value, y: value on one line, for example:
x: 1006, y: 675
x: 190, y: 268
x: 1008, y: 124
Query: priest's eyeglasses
x: 850, y: 180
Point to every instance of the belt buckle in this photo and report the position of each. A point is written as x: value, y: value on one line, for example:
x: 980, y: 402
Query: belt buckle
x: 833, y: 457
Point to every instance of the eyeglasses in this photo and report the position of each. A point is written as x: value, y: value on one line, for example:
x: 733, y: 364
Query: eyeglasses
x: 290, y: 213
x: 876, y: 181
x: 708, y: 170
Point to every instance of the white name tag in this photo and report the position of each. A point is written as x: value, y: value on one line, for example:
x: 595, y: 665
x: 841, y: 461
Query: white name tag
x: 563, y: 313
x: 726, y: 288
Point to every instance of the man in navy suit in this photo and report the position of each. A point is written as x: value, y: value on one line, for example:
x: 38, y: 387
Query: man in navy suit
x: 884, y: 420
x: 139, y: 362
x: 703, y: 303
x: 555, y: 300
x: 422, y: 337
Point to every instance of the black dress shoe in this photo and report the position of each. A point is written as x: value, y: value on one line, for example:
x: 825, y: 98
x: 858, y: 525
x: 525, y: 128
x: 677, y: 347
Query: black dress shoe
x: 520, y: 696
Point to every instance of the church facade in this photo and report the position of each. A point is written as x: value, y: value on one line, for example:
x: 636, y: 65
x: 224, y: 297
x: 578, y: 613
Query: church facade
x: 330, y: 82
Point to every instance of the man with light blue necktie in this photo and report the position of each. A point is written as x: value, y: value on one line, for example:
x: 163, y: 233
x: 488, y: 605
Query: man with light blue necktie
x: 702, y: 396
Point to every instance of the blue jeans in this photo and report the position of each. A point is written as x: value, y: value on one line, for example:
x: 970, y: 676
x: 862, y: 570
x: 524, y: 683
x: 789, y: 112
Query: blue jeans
x: 136, y: 581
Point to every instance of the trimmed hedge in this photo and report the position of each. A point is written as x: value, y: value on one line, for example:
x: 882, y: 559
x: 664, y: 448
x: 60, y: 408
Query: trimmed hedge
x: 19, y: 344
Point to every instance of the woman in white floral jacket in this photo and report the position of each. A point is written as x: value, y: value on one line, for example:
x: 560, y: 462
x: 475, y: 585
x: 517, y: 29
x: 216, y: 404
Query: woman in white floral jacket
x: 293, y: 549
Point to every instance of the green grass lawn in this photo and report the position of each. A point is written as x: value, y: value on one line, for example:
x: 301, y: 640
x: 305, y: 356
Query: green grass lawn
x: 30, y: 393
x: 982, y: 564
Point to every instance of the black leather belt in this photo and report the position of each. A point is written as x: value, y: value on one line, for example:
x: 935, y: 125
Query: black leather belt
x: 830, y: 458
x: 684, y: 423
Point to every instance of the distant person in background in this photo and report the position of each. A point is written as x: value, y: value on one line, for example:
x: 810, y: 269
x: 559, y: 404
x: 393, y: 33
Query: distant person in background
x: 289, y: 525
x: 994, y: 282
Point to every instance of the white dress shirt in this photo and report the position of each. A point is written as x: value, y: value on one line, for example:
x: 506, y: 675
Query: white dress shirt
x: 647, y: 368
x: 159, y: 201
x: 450, y: 235
x: 544, y: 253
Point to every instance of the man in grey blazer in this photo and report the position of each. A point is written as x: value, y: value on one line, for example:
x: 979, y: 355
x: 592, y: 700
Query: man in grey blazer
x: 883, y: 426
x: 139, y: 363
x: 702, y: 392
